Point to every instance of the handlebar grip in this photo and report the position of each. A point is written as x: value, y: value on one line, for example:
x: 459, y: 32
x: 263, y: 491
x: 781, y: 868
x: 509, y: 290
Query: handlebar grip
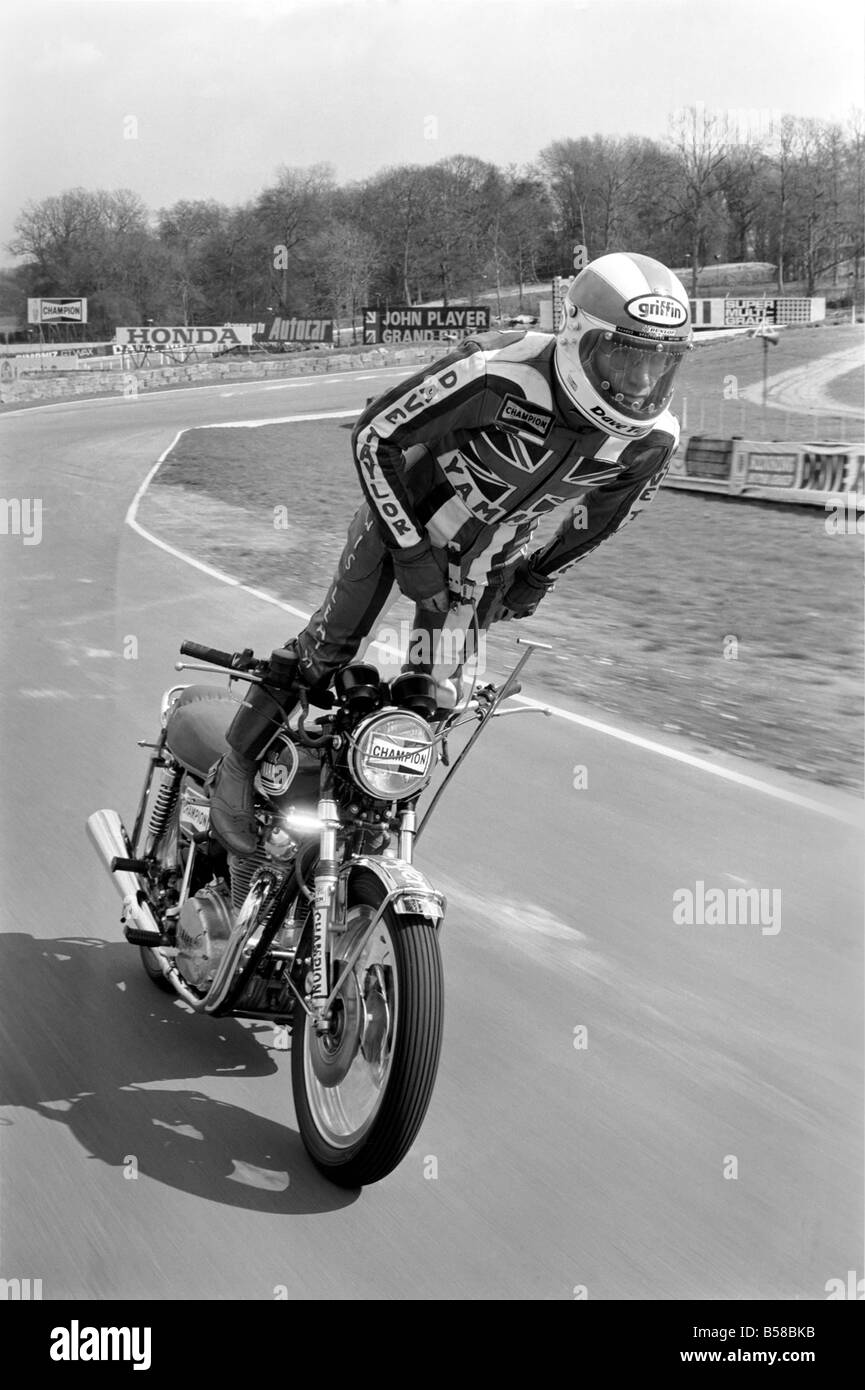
x: 211, y: 654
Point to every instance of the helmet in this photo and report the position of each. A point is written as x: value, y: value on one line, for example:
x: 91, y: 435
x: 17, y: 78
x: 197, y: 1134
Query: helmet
x: 626, y: 325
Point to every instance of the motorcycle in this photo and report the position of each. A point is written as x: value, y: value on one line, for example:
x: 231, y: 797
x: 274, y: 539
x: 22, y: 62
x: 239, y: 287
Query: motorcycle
x: 328, y: 929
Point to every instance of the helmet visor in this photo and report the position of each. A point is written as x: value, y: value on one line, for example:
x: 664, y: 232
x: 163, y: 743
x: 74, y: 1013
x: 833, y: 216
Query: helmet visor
x: 635, y: 375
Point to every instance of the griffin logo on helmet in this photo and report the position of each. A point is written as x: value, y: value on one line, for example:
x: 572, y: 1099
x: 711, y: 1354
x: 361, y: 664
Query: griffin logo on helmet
x: 657, y: 309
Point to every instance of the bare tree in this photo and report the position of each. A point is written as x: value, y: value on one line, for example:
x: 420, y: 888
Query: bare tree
x: 393, y: 208
x: 292, y: 211
x: 700, y: 143
x: 743, y: 186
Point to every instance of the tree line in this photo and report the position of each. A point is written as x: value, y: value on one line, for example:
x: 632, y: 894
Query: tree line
x: 792, y: 194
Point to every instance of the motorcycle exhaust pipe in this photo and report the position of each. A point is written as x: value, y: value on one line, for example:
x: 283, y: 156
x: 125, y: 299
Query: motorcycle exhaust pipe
x: 109, y: 838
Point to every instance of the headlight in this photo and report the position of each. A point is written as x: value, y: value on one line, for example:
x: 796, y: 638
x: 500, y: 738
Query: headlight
x: 392, y: 754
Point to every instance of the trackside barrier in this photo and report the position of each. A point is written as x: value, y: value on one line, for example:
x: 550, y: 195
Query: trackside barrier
x: 797, y: 472
x: 55, y: 385
x: 25, y: 359
x: 25, y: 371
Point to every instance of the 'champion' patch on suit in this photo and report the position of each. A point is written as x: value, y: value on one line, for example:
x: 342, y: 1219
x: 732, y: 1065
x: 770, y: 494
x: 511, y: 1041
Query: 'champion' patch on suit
x: 513, y: 414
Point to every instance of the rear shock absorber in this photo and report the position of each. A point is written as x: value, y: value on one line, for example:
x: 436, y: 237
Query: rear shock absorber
x: 163, y: 805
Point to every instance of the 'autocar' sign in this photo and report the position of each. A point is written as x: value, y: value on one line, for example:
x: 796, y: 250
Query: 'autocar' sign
x: 281, y: 330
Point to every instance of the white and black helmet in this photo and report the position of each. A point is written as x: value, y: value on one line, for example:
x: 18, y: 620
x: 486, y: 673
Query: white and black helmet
x: 626, y: 325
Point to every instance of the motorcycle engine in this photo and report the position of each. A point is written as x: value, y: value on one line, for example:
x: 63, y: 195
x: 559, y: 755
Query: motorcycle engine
x: 203, y: 929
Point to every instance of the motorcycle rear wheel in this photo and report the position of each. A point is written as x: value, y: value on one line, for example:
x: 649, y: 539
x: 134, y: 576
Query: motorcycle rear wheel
x: 361, y: 1093
x: 152, y: 970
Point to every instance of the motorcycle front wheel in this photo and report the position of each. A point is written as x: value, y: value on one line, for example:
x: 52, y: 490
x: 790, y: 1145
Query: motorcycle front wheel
x: 361, y: 1090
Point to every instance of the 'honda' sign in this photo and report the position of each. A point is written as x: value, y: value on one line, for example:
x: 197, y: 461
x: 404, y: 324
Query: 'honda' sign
x: 193, y: 336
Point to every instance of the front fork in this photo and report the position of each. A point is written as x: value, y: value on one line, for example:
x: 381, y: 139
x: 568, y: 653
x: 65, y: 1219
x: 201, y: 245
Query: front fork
x: 326, y: 879
x: 329, y: 905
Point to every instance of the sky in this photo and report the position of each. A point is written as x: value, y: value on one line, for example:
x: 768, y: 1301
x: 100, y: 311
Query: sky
x: 207, y: 98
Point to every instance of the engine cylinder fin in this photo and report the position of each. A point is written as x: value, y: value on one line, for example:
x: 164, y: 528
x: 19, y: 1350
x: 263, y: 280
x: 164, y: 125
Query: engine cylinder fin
x: 242, y: 869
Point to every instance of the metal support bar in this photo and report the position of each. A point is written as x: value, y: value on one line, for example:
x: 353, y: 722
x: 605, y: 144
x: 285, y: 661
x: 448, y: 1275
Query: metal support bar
x: 483, y: 717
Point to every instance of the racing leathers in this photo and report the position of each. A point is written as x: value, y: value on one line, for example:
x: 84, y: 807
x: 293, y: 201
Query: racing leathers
x: 458, y: 464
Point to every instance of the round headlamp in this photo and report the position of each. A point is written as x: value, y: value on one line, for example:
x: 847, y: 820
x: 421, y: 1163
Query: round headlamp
x: 392, y: 754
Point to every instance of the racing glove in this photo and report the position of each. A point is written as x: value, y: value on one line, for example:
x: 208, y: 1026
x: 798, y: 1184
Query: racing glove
x: 421, y: 576
x: 525, y: 590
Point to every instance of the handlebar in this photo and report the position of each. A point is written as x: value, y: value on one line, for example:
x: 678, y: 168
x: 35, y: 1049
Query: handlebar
x: 246, y: 661
x: 210, y: 654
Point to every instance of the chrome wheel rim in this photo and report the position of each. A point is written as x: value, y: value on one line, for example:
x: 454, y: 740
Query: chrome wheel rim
x: 346, y: 1071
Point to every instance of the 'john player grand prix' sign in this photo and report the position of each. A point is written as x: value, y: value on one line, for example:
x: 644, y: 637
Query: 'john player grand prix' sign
x: 407, y: 325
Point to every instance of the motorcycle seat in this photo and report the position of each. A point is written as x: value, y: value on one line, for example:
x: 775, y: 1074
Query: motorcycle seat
x: 197, y: 724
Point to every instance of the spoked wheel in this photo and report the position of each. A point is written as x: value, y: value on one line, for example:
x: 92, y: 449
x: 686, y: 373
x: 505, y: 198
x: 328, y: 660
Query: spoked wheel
x: 362, y: 1089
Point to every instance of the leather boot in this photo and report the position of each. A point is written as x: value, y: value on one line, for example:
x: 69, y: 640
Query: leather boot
x: 232, y: 798
x: 231, y: 803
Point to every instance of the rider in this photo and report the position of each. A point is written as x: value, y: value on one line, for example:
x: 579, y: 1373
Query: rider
x: 458, y: 464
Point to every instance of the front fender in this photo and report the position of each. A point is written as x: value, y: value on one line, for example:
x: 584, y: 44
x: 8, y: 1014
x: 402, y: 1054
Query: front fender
x: 416, y: 893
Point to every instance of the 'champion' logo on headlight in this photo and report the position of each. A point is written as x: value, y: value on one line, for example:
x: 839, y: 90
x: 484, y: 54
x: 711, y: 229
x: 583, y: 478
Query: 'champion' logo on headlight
x: 397, y: 756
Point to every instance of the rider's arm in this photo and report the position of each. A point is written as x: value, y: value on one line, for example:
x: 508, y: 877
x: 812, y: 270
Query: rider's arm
x: 605, y: 509
x: 446, y: 396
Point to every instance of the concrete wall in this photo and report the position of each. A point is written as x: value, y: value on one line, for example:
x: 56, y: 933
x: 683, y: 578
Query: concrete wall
x: 58, y: 385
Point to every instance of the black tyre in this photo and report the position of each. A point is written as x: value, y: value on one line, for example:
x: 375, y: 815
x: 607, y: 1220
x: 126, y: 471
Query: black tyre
x: 361, y: 1093
x: 152, y: 970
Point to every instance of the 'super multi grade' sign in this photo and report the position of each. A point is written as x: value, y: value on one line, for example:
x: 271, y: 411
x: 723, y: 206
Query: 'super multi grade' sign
x: 163, y: 339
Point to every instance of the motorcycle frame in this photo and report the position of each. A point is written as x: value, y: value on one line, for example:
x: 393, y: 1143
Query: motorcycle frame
x: 407, y: 890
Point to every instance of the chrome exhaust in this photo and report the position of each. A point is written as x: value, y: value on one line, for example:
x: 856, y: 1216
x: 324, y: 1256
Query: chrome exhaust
x: 106, y: 830
x: 110, y: 840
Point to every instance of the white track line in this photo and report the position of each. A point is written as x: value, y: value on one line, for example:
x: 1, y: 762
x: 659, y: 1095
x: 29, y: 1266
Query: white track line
x: 648, y: 745
x: 742, y: 779
x: 322, y: 377
x: 274, y: 420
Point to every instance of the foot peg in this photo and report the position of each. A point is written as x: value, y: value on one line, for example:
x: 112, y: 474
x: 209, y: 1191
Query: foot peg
x: 136, y: 937
x: 130, y: 866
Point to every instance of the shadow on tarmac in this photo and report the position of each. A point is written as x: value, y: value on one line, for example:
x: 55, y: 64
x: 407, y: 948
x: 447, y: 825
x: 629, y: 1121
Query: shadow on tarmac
x: 85, y: 1034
